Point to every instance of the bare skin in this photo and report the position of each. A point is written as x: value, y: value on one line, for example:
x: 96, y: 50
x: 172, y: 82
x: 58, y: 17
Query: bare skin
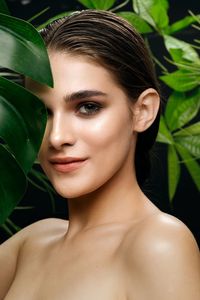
x: 116, y: 245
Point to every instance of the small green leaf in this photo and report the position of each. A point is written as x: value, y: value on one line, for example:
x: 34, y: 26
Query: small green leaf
x: 173, y: 171
x: 98, y: 4
x: 181, y: 109
x: 181, y: 24
x: 191, y: 143
x: 193, y: 129
x: 4, y: 8
x: 181, y: 80
x: 23, y: 50
x: 152, y: 11
x: 159, y: 14
x: 136, y: 21
x: 191, y: 164
x: 180, y: 50
x: 142, y: 8
x: 12, y: 185
x: 164, y: 135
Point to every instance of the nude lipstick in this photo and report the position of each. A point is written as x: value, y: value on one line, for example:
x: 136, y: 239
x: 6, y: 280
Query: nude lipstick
x: 67, y: 164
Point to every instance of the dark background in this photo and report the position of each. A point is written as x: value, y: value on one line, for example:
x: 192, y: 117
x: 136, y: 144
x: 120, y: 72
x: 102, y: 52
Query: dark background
x: 186, y: 202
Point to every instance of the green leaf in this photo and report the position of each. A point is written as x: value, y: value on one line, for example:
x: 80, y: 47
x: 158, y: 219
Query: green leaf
x: 153, y: 11
x: 136, y: 21
x: 4, y: 8
x: 164, y: 135
x: 193, y: 129
x: 180, y: 50
x: 181, y: 24
x: 98, y: 4
x: 12, y: 184
x: 181, y: 109
x: 173, y: 171
x: 192, y: 166
x: 181, y: 80
x: 191, y: 143
x: 23, y: 50
x: 23, y: 119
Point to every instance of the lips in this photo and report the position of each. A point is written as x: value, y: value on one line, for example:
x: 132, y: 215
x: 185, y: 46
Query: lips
x: 67, y: 164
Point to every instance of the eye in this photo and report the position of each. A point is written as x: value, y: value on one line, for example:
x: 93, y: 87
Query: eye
x: 89, y: 108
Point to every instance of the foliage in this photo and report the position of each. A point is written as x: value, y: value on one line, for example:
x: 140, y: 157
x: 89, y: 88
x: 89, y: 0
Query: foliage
x: 23, y: 115
x: 177, y: 132
x: 181, y: 138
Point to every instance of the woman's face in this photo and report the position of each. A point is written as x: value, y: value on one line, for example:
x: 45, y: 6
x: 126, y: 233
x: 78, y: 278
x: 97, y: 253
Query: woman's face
x: 89, y: 137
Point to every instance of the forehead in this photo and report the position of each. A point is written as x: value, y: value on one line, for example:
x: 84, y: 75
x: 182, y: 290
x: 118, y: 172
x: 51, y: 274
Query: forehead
x: 80, y: 67
x: 75, y: 72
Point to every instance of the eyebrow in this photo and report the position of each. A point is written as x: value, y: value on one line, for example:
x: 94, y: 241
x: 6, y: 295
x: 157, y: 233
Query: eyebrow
x: 83, y: 94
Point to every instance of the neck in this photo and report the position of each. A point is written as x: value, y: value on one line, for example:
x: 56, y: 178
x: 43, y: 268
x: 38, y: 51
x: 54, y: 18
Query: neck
x: 119, y: 200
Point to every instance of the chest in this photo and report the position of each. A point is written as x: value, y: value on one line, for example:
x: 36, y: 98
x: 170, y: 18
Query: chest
x: 76, y: 275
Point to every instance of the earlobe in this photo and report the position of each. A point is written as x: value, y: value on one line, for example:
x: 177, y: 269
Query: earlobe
x: 145, y: 109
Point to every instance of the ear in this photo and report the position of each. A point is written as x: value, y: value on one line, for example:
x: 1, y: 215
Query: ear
x: 145, y: 109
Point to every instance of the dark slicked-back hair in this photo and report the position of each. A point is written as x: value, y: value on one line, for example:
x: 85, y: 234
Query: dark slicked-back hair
x: 113, y: 43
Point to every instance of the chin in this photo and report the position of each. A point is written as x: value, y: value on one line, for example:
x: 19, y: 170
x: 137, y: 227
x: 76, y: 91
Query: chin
x: 74, y: 192
x: 79, y: 189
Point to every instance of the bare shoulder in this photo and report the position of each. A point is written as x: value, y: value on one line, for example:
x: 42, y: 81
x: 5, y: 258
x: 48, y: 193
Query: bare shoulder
x: 160, y: 233
x: 164, y: 229
x: 163, y: 253
x: 44, y: 230
x: 45, y: 227
x: 38, y: 233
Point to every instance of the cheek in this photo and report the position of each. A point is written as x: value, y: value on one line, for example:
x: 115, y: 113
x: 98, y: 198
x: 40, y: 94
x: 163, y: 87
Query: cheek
x: 107, y: 131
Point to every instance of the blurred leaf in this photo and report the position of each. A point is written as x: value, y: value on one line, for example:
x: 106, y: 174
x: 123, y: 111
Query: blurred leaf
x: 23, y: 119
x: 181, y: 24
x: 181, y: 80
x: 191, y: 143
x: 136, y: 21
x: 193, y: 129
x: 173, y: 171
x: 98, y: 4
x: 180, y: 50
x: 12, y: 184
x: 181, y: 109
x: 4, y: 8
x: 153, y: 11
x: 192, y: 166
x: 164, y: 135
x: 21, y: 45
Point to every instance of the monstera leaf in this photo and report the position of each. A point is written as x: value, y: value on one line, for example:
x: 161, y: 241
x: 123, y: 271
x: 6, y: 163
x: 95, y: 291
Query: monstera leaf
x: 22, y: 115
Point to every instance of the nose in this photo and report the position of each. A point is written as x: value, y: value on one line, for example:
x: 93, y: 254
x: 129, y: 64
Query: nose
x: 61, y: 131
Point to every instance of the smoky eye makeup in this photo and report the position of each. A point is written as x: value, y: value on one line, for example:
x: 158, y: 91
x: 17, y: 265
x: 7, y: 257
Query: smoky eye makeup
x: 88, y: 108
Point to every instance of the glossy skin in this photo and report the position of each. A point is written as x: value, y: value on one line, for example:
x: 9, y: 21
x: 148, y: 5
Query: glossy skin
x: 117, y: 245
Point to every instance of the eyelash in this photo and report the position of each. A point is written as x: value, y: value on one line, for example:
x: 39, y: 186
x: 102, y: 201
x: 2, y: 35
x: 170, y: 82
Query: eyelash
x: 96, y: 107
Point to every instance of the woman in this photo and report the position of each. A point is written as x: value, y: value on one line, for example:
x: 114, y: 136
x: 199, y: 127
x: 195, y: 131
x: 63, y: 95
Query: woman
x: 103, y: 119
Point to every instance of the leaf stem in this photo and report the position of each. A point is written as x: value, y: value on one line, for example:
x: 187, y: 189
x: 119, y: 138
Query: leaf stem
x: 119, y: 6
x: 38, y: 14
x: 7, y: 229
x: 12, y: 225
